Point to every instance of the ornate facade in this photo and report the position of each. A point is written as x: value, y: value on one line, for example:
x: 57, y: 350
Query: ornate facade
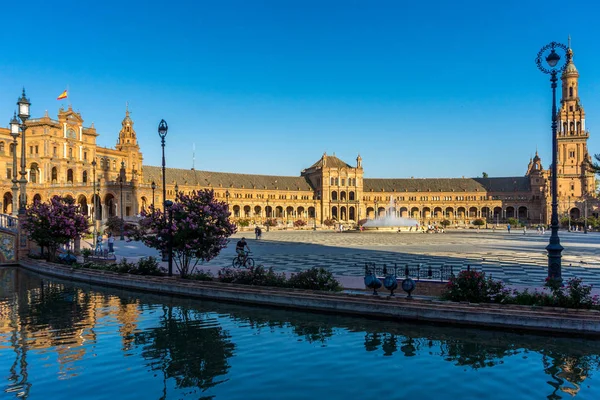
x: 60, y: 154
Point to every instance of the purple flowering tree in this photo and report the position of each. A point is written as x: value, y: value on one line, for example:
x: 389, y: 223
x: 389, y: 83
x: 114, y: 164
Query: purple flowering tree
x: 200, y: 228
x: 54, y: 223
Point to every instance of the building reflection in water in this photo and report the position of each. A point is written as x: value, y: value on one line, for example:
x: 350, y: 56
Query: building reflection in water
x: 185, y: 343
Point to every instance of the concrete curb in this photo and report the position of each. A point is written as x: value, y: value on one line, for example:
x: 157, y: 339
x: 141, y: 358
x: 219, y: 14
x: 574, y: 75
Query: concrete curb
x: 513, y: 317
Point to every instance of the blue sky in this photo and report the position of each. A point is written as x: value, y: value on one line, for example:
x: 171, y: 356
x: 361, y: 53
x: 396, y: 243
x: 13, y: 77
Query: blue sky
x: 435, y: 89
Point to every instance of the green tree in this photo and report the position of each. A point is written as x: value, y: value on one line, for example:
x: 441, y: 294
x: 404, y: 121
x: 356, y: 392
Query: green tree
x: 485, y: 174
x: 479, y: 222
x: 513, y: 221
x: 445, y: 223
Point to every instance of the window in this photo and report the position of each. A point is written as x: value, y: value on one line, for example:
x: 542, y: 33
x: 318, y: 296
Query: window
x: 54, y: 150
x: 571, y: 91
x: 343, y: 182
x: 37, y: 150
x: 70, y: 152
x: 30, y: 149
x: 85, y: 155
x: 9, y: 173
x: 571, y: 154
x: 2, y: 147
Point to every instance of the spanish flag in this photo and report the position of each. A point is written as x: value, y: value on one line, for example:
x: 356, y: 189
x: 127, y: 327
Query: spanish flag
x: 63, y: 95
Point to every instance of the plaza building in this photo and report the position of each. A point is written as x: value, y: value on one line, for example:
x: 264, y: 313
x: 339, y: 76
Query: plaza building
x: 60, y: 154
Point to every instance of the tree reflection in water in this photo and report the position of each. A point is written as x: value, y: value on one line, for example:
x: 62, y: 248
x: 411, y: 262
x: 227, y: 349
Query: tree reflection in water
x: 189, y: 346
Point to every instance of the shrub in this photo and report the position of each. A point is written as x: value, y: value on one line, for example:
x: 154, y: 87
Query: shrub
x: 271, y: 222
x: 474, y: 287
x: 479, y: 222
x: 513, y: 222
x: 258, y: 276
x: 114, y: 225
x: 299, y: 223
x: 445, y: 223
x: 244, y: 223
x: 329, y: 222
x: 315, y: 279
x: 202, y: 275
x: 147, y: 266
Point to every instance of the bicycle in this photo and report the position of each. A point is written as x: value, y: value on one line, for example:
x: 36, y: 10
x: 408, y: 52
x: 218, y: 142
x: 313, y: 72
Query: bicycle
x: 238, y: 262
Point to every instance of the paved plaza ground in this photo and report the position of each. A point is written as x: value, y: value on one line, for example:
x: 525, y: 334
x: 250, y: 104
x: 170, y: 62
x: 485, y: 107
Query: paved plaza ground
x: 515, y: 258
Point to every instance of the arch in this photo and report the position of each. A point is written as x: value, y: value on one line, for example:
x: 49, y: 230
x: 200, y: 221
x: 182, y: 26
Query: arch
x: 486, y: 213
x: 143, y: 203
x: 578, y: 127
x: 380, y: 212
x: 247, y: 210
x: 497, y: 213
x: 37, y: 197
x: 414, y: 212
x: 404, y: 212
x: 82, y: 201
x: 334, y: 195
x: 509, y: 212
x: 426, y: 212
x: 7, y: 203
x: 278, y: 212
x: 473, y: 212
x: 370, y: 213
x: 258, y: 211
x: 54, y: 175
x: 461, y: 213
x: 300, y: 212
x: 343, y: 195
x: 84, y: 177
x: 437, y: 212
x: 522, y: 213
x: 96, y: 209
x: 289, y: 211
x: 571, y: 91
x: 2, y: 146
x: 343, y: 213
x: 70, y: 176
x: 236, y: 211
x: 311, y: 212
x: 34, y: 173
x: 351, y: 213
x: 269, y: 211
x: 334, y: 212
x: 575, y: 213
x: 351, y: 196
x: 450, y: 212
x: 111, y: 205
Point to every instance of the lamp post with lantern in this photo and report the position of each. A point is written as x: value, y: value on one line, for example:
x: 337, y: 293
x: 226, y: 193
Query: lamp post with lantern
x: 121, y: 179
x: 23, y: 104
x: 14, y: 131
x: 153, y: 186
x: 547, y: 61
x: 163, y: 128
x: 95, y: 210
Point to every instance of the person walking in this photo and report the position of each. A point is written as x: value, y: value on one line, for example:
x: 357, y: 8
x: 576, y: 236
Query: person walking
x: 508, y: 228
x: 257, y: 232
x: 111, y: 243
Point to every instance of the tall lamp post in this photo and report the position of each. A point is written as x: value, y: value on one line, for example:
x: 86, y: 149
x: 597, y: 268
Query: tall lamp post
x: 267, y: 213
x: 153, y: 186
x: 169, y: 209
x: 162, y: 132
x: 585, y: 228
x: 315, y: 198
x: 94, y: 202
x: 176, y: 190
x: 547, y: 61
x: 23, y: 104
x: 14, y: 131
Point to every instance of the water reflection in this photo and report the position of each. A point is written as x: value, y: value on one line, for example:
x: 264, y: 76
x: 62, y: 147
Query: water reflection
x: 188, y: 346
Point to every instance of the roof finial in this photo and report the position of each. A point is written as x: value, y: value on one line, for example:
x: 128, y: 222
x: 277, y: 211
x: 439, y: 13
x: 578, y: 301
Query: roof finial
x: 569, y: 41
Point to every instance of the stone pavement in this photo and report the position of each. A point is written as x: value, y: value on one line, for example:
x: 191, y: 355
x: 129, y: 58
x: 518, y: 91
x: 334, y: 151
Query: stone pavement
x: 517, y: 259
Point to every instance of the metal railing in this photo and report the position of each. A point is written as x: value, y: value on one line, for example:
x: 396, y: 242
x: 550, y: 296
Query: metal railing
x: 417, y: 272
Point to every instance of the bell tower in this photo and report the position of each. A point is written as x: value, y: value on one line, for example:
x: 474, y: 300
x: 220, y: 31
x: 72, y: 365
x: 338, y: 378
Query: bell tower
x: 575, y: 180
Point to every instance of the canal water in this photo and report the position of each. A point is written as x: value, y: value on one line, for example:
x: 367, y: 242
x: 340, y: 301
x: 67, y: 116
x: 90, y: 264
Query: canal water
x: 60, y: 340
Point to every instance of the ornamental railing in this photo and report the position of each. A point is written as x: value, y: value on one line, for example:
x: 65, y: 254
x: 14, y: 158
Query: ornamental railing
x: 415, y: 271
x: 9, y: 222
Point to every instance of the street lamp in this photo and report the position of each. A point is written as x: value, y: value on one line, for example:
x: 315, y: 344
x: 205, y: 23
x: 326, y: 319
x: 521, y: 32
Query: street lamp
x: 227, y: 198
x: 267, y: 212
x: 554, y: 248
x: 315, y: 198
x: 14, y: 131
x: 569, y: 213
x: 376, y: 210
x: 585, y: 228
x: 169, y: 208
x: 153, y: 186
x: 94, y: 202
x: 176, y: 190
x: 23, y: 104
x: 162, y: 132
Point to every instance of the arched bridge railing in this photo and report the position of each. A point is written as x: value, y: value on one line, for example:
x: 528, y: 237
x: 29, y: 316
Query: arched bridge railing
x: 9, y: 223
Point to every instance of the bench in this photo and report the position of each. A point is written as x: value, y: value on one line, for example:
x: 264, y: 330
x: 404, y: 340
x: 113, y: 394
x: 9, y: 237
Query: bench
x: 102, y: 257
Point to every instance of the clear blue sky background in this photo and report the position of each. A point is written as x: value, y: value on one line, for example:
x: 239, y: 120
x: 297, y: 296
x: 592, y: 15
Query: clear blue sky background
x: 423, y: 89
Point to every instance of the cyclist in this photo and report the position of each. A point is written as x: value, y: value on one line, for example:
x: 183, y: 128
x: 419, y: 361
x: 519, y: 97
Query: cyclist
x: 239, y: 248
